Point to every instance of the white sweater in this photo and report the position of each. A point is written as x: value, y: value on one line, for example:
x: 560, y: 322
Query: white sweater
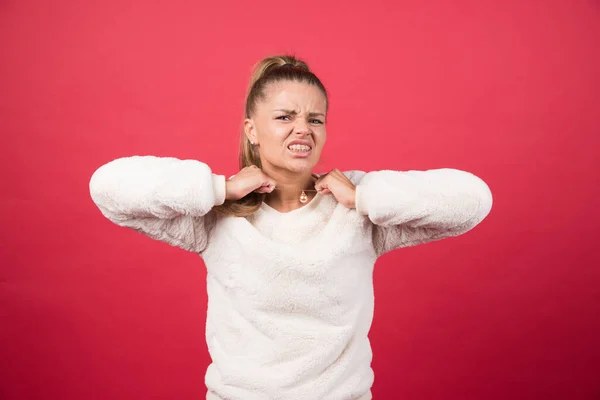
x: 290, y: 295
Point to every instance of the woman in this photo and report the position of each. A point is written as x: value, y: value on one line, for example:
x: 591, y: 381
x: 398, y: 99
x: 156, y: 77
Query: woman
x: 289, y: 253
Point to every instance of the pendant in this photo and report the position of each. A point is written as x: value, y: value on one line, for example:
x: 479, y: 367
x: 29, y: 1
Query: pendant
x: 303, y: 197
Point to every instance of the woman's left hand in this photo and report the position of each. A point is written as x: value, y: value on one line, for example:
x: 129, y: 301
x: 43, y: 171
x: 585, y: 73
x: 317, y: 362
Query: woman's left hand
x: 336, y: 183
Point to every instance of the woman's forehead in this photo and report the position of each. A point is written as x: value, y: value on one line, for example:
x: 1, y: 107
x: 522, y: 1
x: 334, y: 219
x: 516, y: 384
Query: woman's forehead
x: 292, y: 95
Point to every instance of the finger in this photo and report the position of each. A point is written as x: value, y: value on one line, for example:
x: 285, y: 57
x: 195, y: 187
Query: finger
x: 327, y: 175
x: 267, y: 180
x: 339, y: 174
x: 264, y: 189
x: 271, y: 185
x: 322, y: 183
x: 319, y: 176
x: 320, y: 188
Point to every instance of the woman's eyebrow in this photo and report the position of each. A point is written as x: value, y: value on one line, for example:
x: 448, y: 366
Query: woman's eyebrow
x: 293, y: 112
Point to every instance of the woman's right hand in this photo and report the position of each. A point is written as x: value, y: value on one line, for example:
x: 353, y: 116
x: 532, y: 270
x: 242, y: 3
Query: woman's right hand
x: 249, y: 179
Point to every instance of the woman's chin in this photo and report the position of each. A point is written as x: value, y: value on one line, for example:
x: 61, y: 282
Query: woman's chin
x: 300, y: 166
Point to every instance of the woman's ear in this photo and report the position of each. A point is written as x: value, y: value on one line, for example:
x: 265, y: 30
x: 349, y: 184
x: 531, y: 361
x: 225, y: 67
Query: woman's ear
x: 250, y: 131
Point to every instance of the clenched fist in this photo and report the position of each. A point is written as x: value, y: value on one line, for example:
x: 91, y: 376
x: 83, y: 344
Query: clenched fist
x: 337, y: 184
x: 249, y: 179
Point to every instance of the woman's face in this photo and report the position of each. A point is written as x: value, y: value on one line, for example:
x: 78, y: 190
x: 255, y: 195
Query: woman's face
x: 289, y: 126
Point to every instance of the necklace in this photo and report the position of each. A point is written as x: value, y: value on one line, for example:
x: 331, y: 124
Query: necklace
x: 303, y: 196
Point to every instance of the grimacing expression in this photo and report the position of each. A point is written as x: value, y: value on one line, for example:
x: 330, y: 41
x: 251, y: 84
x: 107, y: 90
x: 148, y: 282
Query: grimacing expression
x: 289, y: 126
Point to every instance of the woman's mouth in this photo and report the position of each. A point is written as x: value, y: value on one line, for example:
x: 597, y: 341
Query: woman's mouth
x: 300, y: 150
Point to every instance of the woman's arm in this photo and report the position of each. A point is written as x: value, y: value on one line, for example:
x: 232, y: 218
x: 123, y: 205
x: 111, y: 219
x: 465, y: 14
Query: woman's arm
x: 415, y: 207
x: 166, y: 199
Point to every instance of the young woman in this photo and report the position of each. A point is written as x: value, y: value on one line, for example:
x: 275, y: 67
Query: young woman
x: 289, y: 253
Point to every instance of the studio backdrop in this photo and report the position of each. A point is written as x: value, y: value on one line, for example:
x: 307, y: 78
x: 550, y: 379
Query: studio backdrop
x: 507, y: 90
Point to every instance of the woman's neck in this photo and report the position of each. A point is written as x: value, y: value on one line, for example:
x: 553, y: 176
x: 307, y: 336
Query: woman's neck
x: 286, y: 196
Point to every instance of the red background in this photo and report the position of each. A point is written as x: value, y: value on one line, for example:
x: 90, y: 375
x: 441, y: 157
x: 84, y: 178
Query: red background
x: 507, y: 90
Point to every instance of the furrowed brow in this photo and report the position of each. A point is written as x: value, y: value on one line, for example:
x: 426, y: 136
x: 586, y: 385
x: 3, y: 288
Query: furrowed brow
x: 293, y: 112
x: 287, y: 111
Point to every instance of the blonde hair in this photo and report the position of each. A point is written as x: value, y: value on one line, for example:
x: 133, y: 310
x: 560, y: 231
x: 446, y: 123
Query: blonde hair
x: 267, y: 71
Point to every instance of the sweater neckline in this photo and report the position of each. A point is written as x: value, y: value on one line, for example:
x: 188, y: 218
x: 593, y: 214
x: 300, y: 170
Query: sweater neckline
x: 301, y: 210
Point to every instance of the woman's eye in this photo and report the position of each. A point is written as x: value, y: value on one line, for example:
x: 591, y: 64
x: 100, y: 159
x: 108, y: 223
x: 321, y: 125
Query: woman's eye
x: 287, y: 117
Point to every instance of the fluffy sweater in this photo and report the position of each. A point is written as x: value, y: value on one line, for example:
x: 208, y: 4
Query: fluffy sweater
x: 290, y: 295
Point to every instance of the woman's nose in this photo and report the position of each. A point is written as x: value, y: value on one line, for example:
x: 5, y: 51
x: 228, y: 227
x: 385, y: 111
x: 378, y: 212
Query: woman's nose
x: 302, y: 128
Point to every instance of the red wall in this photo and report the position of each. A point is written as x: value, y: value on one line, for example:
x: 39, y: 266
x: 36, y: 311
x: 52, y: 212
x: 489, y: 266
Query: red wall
x: 507, y: 90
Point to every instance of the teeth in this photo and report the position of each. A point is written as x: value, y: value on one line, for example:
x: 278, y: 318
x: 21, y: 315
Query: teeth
x: 299, y: 147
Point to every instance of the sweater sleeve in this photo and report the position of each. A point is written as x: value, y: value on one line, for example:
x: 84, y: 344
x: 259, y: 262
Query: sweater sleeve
x: 415, y: 207
x: 166, y: 199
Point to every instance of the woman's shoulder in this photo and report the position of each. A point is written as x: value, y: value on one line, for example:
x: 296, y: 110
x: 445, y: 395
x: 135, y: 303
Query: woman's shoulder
x: 354, y: 175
